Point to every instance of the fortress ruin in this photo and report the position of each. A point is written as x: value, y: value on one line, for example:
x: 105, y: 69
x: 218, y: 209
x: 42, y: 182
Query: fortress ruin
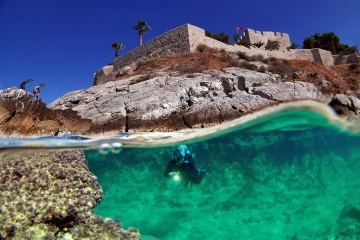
x: 252, y: 36
x: 187, y: 37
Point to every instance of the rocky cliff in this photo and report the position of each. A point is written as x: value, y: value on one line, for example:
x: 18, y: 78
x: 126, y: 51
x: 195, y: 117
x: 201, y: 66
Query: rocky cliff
x: 185, y: 91
x: 20, y: 115
x: 167, y: 101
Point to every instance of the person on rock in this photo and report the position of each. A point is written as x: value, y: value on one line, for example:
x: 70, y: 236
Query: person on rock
x: 36, y: 91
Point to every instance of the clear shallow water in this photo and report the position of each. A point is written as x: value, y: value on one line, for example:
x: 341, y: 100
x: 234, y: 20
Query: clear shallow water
x: 273, y: 185
x: 288, y: 173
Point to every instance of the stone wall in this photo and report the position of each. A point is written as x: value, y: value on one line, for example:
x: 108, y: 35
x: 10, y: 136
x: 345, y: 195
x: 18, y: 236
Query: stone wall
x: 322, y: 56
x: 253, y: 36
x: 342, y: 59
x: 197, y: 36
x: 187, y: 37
x: 171, y: 42
x: 353, y: 58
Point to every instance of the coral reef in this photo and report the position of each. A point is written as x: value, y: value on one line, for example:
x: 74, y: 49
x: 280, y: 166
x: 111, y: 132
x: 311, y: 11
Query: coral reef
x: 51, y: 196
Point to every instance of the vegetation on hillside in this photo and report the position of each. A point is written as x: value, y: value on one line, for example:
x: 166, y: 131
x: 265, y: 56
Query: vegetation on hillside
x: 222, y: 37
x: 328, y: 41
x: 293, y: 45
x: 272, y: 45
x: 142, y: 27
x: 337, y: 79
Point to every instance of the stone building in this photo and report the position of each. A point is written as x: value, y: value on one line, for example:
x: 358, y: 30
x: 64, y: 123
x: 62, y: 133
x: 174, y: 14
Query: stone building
x: 187, y: 37
x: 252, y: 36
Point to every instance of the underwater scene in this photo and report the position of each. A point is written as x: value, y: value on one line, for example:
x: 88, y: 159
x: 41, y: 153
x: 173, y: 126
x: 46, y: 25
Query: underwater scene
x: 291, y: 174
x: 272, y: 185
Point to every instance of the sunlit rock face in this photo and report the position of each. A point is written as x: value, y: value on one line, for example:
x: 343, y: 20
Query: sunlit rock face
x: 20, y: 114
x: 168, y: 103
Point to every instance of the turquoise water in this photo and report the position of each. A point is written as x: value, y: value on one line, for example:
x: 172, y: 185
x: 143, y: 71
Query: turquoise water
x: 287, y: 174
x: 272, y: 185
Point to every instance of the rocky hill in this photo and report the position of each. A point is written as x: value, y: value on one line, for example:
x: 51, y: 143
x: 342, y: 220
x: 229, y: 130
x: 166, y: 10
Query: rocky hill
x: 192, y: 90
x: 19, y: 115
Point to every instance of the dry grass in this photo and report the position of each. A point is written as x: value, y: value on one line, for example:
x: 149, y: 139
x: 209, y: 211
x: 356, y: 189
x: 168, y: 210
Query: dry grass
x: 142, y: 78
x: 339, y: 78
x: 257, y: 57
x: 350, y: 74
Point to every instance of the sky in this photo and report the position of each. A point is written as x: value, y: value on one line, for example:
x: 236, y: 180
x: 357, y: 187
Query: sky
x: 62, y: 43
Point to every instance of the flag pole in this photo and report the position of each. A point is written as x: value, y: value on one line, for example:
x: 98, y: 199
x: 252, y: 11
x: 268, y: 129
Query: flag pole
x: 237, y: 34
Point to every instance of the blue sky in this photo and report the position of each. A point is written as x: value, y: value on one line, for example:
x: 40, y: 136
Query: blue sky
x: 62, y: 43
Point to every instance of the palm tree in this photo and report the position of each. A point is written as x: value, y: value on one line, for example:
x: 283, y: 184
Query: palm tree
x: 117, y: 46
x: 293, y: 45
x: 141, y: 27
x: 317, y: 38
x: 309, y: 43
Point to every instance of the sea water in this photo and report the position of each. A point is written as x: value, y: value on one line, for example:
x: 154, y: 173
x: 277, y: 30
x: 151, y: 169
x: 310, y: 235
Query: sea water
x: 289, y: 173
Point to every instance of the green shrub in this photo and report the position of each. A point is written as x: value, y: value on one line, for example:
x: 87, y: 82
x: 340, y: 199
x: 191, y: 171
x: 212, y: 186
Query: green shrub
x: 258, y: 58
x: 258, y: 44
x: 272, y: 45
x: 272, y: 59
x: 249, y: 66
x: 354, y: 84
x: 293, y: 46
x: 234, y: 63
x: 257, y: 84
x: 224, y: 57
x: 262, y: 69
x: 272, y: 70
x: 147, y: 64
x: 186, y: 68
x: 222, y: 37
x: 201, y: 47
x: 244, y: 56
x: 142, y: 78
x: 244, y: 43
x: 313, y: 74
x: 295, y: 76
x: 287, y: 62
x: 354, y: 67
x: 191, y: 75
x: 279, y: 67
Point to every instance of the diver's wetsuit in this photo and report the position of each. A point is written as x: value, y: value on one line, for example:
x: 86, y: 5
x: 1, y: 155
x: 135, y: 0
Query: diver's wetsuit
x: 183, y: 164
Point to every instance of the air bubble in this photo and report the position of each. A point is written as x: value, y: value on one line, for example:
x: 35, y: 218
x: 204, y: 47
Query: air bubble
x: 104, y: 148
x: 116, y: 148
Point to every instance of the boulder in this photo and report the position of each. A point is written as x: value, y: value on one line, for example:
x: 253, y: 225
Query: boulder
x: 285, y: 91
x: 104, y: 71
x: 344, y: 104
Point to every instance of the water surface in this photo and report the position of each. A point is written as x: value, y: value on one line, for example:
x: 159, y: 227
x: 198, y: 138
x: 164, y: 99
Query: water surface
x: 289, y: 172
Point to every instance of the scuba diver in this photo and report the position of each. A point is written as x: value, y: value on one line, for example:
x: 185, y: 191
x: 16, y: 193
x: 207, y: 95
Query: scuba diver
x: 182, y: 166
